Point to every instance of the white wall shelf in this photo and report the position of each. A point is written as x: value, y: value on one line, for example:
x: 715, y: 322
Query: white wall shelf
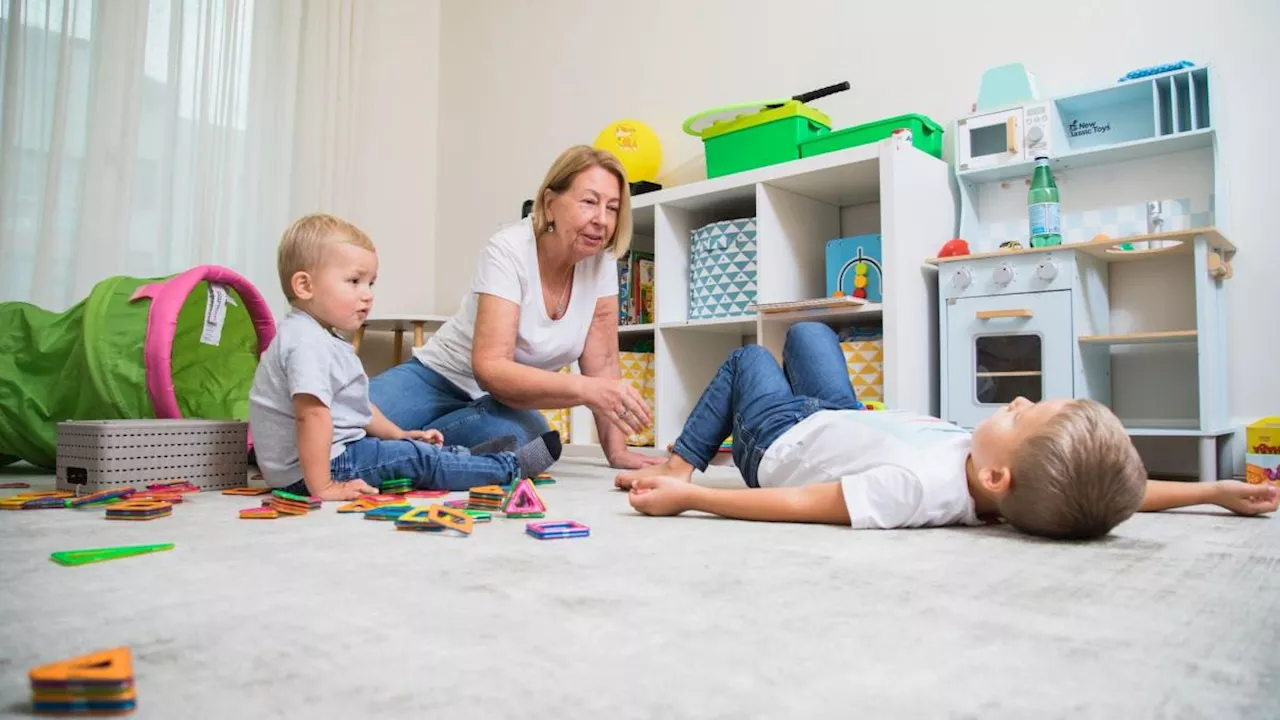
x: 743, y: 325
x: 902, y: 193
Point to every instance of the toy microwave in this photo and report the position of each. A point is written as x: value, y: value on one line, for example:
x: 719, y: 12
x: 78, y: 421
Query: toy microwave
x: 1004, y: 137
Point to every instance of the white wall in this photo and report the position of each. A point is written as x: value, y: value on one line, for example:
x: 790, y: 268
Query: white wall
x: 395, y: 191
x: 521, y: 81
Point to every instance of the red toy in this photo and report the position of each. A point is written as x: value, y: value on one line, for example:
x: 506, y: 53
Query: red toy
x: 954, y: 247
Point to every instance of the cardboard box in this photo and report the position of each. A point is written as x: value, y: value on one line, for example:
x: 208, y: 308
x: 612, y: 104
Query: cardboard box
x: 1262, y: 455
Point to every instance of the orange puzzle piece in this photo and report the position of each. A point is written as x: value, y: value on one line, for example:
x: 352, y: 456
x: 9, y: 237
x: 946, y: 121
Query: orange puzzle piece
x: 451, y: 518
x: 97, y: 668
x: 247, y: 491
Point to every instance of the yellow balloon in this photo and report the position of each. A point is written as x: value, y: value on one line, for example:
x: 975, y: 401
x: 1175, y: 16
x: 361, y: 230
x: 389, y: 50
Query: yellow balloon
x: 636, y: 145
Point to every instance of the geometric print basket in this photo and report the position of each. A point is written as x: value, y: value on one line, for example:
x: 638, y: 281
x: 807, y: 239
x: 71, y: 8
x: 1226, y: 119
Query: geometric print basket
x: 722, y: 269
x: 865, y: 362
x: 637, y: 367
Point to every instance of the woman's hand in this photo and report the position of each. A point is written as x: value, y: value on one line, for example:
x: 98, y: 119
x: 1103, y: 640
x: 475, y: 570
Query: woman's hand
x: 619, y: 402
x: 629, y: 460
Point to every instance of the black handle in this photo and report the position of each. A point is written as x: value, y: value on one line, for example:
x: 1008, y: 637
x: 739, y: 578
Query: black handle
x: 822, y: 92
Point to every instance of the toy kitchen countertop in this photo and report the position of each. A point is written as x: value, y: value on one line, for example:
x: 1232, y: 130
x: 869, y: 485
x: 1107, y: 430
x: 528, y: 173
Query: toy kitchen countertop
x: 1109, y: 250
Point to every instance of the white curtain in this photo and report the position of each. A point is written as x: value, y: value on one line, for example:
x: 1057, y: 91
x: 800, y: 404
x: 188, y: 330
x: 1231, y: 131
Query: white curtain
x: 142, y: 137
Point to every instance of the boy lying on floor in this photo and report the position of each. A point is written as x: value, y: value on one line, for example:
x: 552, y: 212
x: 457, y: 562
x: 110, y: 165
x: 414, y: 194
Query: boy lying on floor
x: 1058, y: 468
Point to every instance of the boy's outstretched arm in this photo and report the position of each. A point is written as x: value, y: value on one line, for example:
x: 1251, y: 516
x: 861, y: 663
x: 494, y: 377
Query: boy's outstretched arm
x: 1240, y: 498
x: 314, y: 434
x: 382, y: 428
x: 821, y: 503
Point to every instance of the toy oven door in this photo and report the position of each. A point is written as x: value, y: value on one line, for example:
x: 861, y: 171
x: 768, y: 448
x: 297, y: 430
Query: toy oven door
x: 1005, y: 346
x: 990, y: 140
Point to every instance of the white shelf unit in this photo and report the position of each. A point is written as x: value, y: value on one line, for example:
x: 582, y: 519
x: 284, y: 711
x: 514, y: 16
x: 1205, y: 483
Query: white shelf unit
x: 1149, y: 339
x: 902, y: 193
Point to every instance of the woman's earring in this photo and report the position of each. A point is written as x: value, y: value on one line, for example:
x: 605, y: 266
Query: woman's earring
x: 551, y: 226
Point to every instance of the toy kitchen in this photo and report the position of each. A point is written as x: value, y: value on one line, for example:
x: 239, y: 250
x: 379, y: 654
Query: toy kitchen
x: 1125, y: 304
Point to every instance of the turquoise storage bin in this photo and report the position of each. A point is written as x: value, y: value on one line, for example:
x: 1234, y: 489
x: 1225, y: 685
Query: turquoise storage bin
x: 722, y: 269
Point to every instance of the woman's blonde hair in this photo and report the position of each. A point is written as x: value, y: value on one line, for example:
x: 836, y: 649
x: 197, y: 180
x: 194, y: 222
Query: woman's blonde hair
x: 560, y: 177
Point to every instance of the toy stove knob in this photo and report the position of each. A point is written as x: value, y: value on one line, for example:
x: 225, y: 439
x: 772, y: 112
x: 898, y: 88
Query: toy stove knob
x: 961, y: 279
x: 1003, y: 275
x: 1035, y: 134
x: 1047, y: 270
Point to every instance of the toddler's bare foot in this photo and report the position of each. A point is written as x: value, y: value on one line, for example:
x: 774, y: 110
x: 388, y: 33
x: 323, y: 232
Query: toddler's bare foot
x: 675, y: 467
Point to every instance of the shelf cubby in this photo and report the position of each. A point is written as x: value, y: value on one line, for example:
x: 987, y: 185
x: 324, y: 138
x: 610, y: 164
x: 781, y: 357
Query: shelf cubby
x: 902, y: 193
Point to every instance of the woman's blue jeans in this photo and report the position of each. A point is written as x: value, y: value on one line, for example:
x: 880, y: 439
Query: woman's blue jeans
x: 757, y: 401
x: 415, y: 397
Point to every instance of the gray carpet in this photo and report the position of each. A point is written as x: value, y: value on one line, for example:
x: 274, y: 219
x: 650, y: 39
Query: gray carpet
x: 332, y: 615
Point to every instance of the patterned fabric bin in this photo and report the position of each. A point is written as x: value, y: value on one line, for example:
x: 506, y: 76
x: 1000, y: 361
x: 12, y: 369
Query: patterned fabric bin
x: 558, y: 419
x: 865, y: 360
x: 722, y: 269
x: 638, y: 368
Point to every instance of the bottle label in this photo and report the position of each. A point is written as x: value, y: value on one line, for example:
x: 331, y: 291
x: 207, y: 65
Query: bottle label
x: 1045, y: 219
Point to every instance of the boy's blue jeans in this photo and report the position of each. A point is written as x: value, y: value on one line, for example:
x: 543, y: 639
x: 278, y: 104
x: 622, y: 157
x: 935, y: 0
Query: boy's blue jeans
x: 757, y: 401
x: 429, y: 466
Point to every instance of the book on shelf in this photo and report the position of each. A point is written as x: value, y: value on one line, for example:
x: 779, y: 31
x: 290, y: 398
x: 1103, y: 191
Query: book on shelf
x: 636, y: 291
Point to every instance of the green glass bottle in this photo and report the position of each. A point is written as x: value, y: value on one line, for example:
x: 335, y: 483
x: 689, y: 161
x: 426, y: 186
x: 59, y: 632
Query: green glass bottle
x: 1043, y: 210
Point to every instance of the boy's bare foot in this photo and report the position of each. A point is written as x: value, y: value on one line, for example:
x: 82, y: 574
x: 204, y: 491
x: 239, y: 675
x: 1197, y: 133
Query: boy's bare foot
x: 675, y: 467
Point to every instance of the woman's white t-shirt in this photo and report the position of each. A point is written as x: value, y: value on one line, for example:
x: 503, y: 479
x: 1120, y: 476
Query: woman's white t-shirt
x: 509, y: 269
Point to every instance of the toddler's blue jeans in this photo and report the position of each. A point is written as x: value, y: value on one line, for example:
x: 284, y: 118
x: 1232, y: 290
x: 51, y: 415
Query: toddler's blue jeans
x: 431, y: 467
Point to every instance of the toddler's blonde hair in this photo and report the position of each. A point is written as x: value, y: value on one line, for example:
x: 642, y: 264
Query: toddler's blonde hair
x: 303, y: 245
x: 560, y: 178
x: 1077, y: 478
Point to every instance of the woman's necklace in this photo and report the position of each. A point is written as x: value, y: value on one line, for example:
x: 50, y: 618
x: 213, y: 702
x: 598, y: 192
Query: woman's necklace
x: 564, y: 295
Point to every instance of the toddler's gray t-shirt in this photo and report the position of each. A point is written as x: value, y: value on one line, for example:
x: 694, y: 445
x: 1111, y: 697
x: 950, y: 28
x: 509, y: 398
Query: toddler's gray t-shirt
x: 304, y: 358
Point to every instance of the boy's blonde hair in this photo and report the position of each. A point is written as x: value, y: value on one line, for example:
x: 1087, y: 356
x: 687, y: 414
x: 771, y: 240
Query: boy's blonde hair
x: 560, y: 178
x: 303, y: 245
x: 1077, y: 478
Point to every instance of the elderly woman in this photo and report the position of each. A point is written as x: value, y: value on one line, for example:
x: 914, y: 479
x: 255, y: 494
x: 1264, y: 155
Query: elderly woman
x: 544, y: 295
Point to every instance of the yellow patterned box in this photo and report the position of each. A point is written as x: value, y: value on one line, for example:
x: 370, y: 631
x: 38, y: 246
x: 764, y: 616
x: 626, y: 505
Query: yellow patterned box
x: 1262, y: 456
x: 638, y: 368
x: 558, y: 419
x: 865, y: 360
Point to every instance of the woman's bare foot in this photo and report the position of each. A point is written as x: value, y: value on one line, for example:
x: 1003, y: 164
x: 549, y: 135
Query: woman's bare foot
x: 675, y: 467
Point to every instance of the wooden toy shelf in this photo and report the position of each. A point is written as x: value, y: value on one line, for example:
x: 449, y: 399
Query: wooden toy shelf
x: 1141, y: 338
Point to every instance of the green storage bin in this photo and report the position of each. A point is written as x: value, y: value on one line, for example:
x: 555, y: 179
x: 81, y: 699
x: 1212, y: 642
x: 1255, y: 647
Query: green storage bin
x: 925, y: 135
x: 762, y: 138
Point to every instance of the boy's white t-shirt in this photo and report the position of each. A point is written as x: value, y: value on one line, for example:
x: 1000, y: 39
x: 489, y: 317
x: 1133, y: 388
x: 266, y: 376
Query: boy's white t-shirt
x: 509, y: 269
x: 897, y: 469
